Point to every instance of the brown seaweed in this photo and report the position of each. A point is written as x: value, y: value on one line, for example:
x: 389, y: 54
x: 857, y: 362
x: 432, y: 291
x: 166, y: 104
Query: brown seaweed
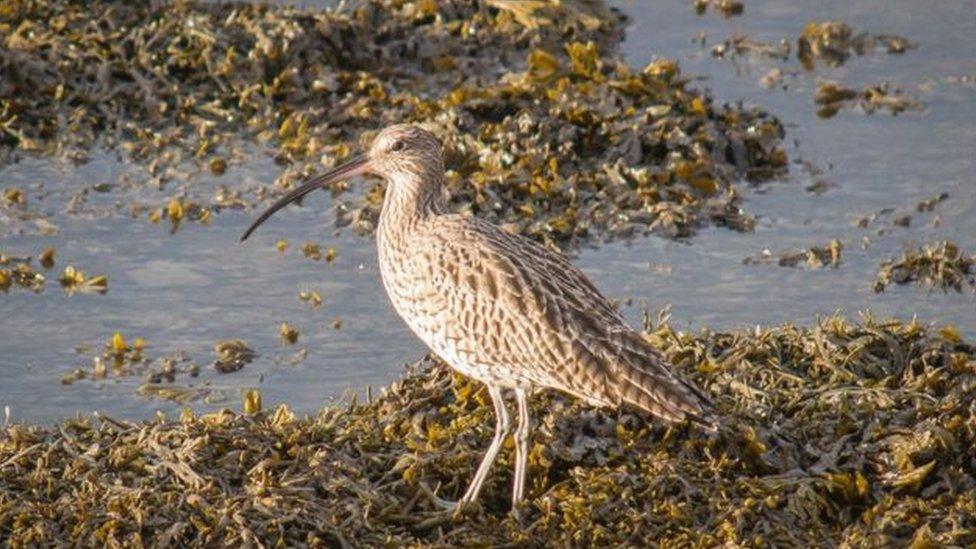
x: 833, y: 42
x: 940, y: 265
x: 740, y: 44
x: 232, y: 355
x: 843, y: 434
x: 814, y: 257
x: 831, y: 97
x: 19, y: 271
x: 727, y: 8
x: 545, y: 128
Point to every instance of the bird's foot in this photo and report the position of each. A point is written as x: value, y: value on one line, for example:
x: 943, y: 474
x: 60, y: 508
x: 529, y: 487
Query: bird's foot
x: 517, y: 512
x: 456, y: 508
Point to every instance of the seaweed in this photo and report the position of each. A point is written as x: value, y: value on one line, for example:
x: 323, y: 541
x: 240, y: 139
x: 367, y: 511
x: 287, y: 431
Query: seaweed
x: 727, y: 8
x: 831, y: 97
x: 929, y: 204
x: 315, y: 252
x: 312, y: 297
x: 814, y: 257
x: 846, y: 433
x: 544, y: 127
x: 289, y: 334
x: 168, y: 377
x: 940, y: 265
x: 233, y: 354
x: 740, y: 44
x: 177, y: 210
x: 74, y: 280
x: 834, y: 41
x: 118, y: 358
x: 19, y: 271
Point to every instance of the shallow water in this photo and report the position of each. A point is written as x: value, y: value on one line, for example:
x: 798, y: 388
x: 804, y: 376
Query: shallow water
x: 872, y: 162
x: 187, y: 290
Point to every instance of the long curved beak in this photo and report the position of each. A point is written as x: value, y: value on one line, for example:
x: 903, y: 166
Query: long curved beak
x: 356, y: 166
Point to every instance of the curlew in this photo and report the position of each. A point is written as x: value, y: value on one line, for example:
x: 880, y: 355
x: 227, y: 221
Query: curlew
x: 499, y: 307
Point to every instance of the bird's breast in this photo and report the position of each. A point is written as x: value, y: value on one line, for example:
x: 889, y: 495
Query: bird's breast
x: 407, y: 280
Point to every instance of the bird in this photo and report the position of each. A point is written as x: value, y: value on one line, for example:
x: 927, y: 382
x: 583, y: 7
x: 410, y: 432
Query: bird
x: 499, y: 307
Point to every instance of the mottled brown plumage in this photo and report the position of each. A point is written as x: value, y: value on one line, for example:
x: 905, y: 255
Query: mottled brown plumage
x: 501, y: 308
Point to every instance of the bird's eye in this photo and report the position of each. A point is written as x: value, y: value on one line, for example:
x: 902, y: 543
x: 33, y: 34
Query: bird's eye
x: 397, y: 146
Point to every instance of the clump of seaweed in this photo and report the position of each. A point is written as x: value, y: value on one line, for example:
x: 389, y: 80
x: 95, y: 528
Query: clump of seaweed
x: 182, y: 394
x: 162, y: 377
x: 46, y: 258
x: 76, y: 281
x: 900, y: 217
x: 940, y: 265
x: 532, y: 14
x: 118, y: 358
x: 288, y: 333
x: 832, y: 96
x: 728, y: 8
x: 834, y: 41
x: 232, y: 355
x: 545, y: 128
x: 815, y: 257
x: 851, y: 434
x: 312, y: 297
x: 19, y: 271
x: 14, y: 196
x: 741, y: 44
x: 775, y: 78
x: 315, y: 252
x: 122, y: 359
x: 177, y: 210
x: 929, y: 204
x: 591, y: 146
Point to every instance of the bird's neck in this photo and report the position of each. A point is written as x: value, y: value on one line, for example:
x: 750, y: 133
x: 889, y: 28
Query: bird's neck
x: 411, y: 198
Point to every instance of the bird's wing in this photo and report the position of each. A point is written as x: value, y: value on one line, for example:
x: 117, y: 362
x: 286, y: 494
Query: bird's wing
x: 512, y: 302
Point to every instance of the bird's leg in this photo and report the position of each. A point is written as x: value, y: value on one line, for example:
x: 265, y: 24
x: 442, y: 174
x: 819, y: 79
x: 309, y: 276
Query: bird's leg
x: 521, y: 446
x: 502, y: 428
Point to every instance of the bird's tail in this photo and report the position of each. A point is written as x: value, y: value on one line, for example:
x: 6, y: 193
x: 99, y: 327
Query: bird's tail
x: 644, y: 381
x: 665, y: 396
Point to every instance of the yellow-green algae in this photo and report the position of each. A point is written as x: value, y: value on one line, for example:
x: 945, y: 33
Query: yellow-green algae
x: 852, y: 434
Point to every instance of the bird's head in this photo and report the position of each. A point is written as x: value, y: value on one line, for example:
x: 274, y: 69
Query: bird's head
x: 405, y: 149
x: 401, y: 152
